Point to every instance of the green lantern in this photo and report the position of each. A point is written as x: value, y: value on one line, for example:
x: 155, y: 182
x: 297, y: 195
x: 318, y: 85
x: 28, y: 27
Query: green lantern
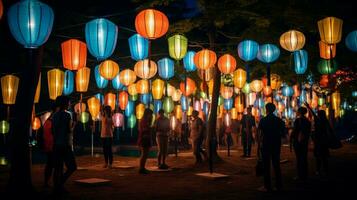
x: 84, y: 118
x: 177, y: 46
x: 131, y: 121
x: 321, y: 101
x: 327, y: 66
x: 168, y: 105
x: 4, y: 127
x: 220, y: 100
x: 246, y: 89
x: 133, y: 97
x: 203, y: 95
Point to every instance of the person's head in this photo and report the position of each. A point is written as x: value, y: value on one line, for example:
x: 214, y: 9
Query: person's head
x: 195, y: 114
x: 270, y: 108
x: 322, y: 115
x: 148, y: 114
x: 302, y: 111
x: 107, y: 111
x: 249, y: 110
x: 62, y: 102
x: 161, y: 112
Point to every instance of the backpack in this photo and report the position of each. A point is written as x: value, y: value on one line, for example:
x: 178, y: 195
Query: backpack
x: 47, y: 135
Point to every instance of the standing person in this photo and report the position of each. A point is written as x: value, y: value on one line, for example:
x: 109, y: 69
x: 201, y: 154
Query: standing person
x: 62, y: 149
x: 300, y: 139
x: 269, y: 144
x: 162, y: 129
x: 196, y: 131
x: 144, y: 139
x: 106, y: 133
x: 235, y: 132
x: 247, y: 127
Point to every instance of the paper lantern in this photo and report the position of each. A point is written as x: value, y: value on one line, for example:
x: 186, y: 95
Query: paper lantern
x: 84, y: 117
x: 234, y: 114
x: 336, y: 100
x: 4, y: 127
x: 351, y: 41
x: 168, y: 105
x: 127, y: 77
x: 226, y: 92
x: 110, y: 99
x: 151, y: 23
x: 178, y: 111
x: 296, y: 90
x: 206, y: 75
x: 145, y: 98
x: 197, y: 105
x: 145, y: 69
x: 140, y: 108
x: 248, y: 50
x: 100, y: 97
x: 268, y: 53
x: 116, y: 83
x: 205, y: 59
x: 184, y: 103
x: 206, y: 108
x: 246, y: 88
x: 30, y: 22
x: 227, y: 64
x: 132, y: 90
x: 1, y: 9
x: 189, y: 111
x: 267, y: 91
x: 281, y: 106
x: 38, y: 90
x: 101, y: 38
x: 259, y: 103
x: 93, y: 107
x: 176, y: 96
x: 188, y: 61
x: 131, y: 121
x: 327, y: 66
x: 321, y: 101
x: 275, y: 81
x: 139, y: 47
x: 239, y: 78
x: 177, y: 46
x: 68, y: 83
x: 256, y: 86
x: 9, y: 87
x: 292, y: 40
x: 36, y: 124
x: 251, y: 97
x: 74, y: 54
x: 157, y: 88
x: 324, y: 81
x: 330, y: 29
x: 287, y: 91
x: 327, y: 51
x: 238, y: 104
x: 82, y: 79
x: 289, y: 113
x: 173, y: 122
x: 100, y: 80
x: 228, y: 103
x: 118, y: 120
x: 80, y: 107
x: 166, y: 68
x: 123, y: 99
x: 227, y: 119
x: 170, y: 90
x: 108, y: 69
x: 55, y: 79
x: 354, y: 93
x: 142, y: 86
x: 188, y: 88
x: 157, y: 106
x: 300, y: 61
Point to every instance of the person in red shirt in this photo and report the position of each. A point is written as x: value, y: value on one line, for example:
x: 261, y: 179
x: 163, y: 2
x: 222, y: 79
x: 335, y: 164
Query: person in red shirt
x: 144, y: 139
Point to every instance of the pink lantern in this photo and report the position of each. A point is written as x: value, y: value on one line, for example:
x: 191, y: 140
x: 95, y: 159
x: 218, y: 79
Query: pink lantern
x: 118, y: 119
x: 197, y: 105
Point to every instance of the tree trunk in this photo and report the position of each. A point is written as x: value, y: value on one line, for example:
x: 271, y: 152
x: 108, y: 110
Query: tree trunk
x: 20, y: 182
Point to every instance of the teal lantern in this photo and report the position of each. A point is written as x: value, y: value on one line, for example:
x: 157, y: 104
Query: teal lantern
x: 157, y: 106
x: 327, y: 66
x: 354, y: 93
x: 84, y: 118
x: 4, y: 127
x: 100, y: 81
x: 287, y: 91
x: 248, y: 51
x: 68, y: 83
x: 166, y: 68
x: 129, y: 108
x: 184, y: 103
x: 228, y: 103
x: 188, y: 63
x: 300, y: 61
x: 30, y: 22
x: 268, y: 53
x: 139, y: 47
x: 351, y: 41
x: 146, y: 98
x: 168, y: 104
x: 116, y: 83
x: 131, y: 121
x: 100, y: 97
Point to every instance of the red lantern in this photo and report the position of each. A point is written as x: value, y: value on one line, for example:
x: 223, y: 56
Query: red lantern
x: 151, y: 23
x: 324, y: 81
x: 205, y: 59
x: 189, y: 88
x: 227, y: 64
x: 74, y: 54
x: 123, y: 100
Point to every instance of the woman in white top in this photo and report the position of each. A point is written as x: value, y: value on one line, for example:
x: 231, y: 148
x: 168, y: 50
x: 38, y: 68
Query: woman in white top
x: 106, y: 134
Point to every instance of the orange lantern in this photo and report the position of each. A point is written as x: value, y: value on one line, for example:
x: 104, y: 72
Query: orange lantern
x: 151, y: 23
x: 267, y: 91
x: 142, y: 86
x: 238, y: 104
x: 109, y: 99
x: 140, y: 108
x: 178, y: 111
x: 205, y: 59
x: 256, y: 85
x: 127, y: 77
x: 36, y: 124
x: 206, y: 75
x: 123, y: 100
x: 292, y: 40
x: 296, y: 90
x: 93, y: 107
x: 74, y: 54
x: 327, y: 51
x: 145, y: 69
x: 176, y: 96
x: 239, y: 78
x: 55, y: 79
x: 158, y: 87
x: 108, y: 69
x: 281, y: 107
x: 234, y: 113
x: 80, y: 107
x: 82, y: 79
x: 226, y: 92
x: 275, y: 81
x: 9, y: 86
x: 227, y: 64
x: 38, y: 90
x: 324, y: 81
x: 188, y: 88
x: 132, y: 89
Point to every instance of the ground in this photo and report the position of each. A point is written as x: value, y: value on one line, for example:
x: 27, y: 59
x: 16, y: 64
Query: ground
x: 182, y: 183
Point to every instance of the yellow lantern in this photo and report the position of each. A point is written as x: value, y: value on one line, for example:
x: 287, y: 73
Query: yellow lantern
x: 177, y: 46
x: 170, y: 90
x: 132, y: 89
x: 145, y: 69
x: 55, y: 79
x: 142, y: 86
x: 36, y: 124
x: 93, y: 107
x: 82, y: 79
x: 256, y: 85
x: 234, y: 113
x: 226, y: 92
x: 140, y: 108
x: 127, y: 77
x: 189, y: 111
x: 176, y: 96
x: 108, y: 69
x: 178, y: 111
x: 330, y: 29
x: 109, y: 99
x: 9, y: 86
x: 336, y: 100
x: 292, y: 40
x: 239, y: 78
x: 158, y: 87
x: 38, y: 90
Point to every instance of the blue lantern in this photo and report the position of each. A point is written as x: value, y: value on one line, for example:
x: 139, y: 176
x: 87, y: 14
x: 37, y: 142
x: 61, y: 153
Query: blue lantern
x: 205, y: 108
x: 351, y: 41
x: 157, y: 106
x: 30, y: 22
x: 68, y: 82
x: 289, y: 113
x: 117, y: 84
x: 129, y: 108
x: 259, y: 103
x: 139, y: 47
x: 184, y: 103
x: 248, y: 50
x: 100, y: 97
x: 188, y: 63
x: 228, y: 103
x: 101, y: 82
x: 302, y: 97
x: 101, y: 38
x: 344, y: 105
x: 268, y: 53
x: 145, y: 98
x: 287, y: 91
x: 166, y: 68
x: 300, y: 61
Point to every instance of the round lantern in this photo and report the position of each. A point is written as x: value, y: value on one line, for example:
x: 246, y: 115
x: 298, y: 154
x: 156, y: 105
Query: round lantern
x: 145, y: 98
x: 205, y: 59
x: 239, y: 78
x: 234, y: 114
x: 127, y: 77
x: 246, y: 88
x: 168, y: 105
x: 228, y: 103
x: 100, y: 80
x: 157, y: 88
x: 139, y: 47
x: 176, y: 96
x: 327, y: 51
x: 30, y: 22
x: 68, y: 84
x: 188, y: 61
x: 206, y: 75
x: 110, y: 100
x: 131, y: 121
x: 256, y: 85
x: 188, y: 88
x: 4, y: 127
x: 132, y: 90
x: 226, y: 92
x: 166, y: 68
x: 330, y: 29
x: 151, y: 23
x: 93, y: 107
x: 227, y: 64
x: 178, y: 111
x: 101, y: 38
x: 36, y: 124
x: 238, y: 104
x: 184, y: 103
x: 38, y: 90
x: 248, y: 50
x: 292, y: 40
x: 74, y: 54
x: 336, y: 100
x: 287, y: 91
x: 116, y: 83
x: 129, y: 109
x: 321, y: 101
x: 55, y: 78
x: 177, y: 46
x: 145, y: 69
x: 80, y: 107
x: 9, y: 87
x: 140, y: 108
x: 268, y: 53
x: 108, y: 69
x: 123, y: 100
x: 327, y: 66
x: 351, y: 41
x: 82, y: 79
x: 84, y: 118
x: 300, y: 61
x: 142, y: 86
x: 157, y: 106
x: 118, y: 120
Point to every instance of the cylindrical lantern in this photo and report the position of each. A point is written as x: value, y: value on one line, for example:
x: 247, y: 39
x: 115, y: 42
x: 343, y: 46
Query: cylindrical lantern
x: 296, y: 90
x: 256, y: 85
x: 336, y: 100
x: 127, y: 77
x: 55, y: 78
x: 248, y: 50
x: 68, y: 83
x: 4, y: 127
x: 300, y: 61
x: 166, y: 68
x: 287, y: 91
x: 234, y: 113
x: 9, y: 86
x: 38, y: 90
x: 205, y: 59
x: 173, y: 122
x: 131, y: 121
x: 168, y: 105
x: 145, y: 69
x: 327, y: 51
x: 74, y: 54
x: 178, y: 112
x: 110, y: 100
x: 140, y: 108
x: 197, y: 105
x: 188, y: 61
x: 330, y: 29
x: 145, y: 98
x: 292, y: 40
x: 116, y: 83
x: 108, y: 69
x: 123, y: 100
x: 101, y: 38
x: 238, y: 104
x: 118, y: 119
x: 268, y: 53
x: 142, y: 86
x: 157, y: 106
x: 176, y: 96
x: 157, y: 88
x: 99, y: 79
x: 84, y: 117
x: 206, y: 108
x: 36, y: 123
x: 226, y: 92
x: 177, y: 46
x: 251, y: 97
x: 132, y: 90
x: 139, y: 47
x: 82, y: 79
x: 327, y: 66
x: 188, y: 88
x: 351, y: 41
x: 227, y: 64
x: 228, y: 103
x: 151, y: 23
x: 30, y: 22
x: 184, y: 103
x: 93, y: 107
x: 239, y: 78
